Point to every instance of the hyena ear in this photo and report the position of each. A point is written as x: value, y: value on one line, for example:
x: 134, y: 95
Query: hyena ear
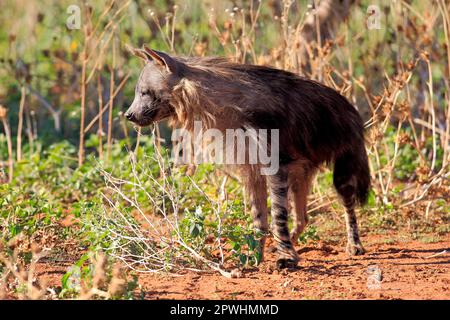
x: 162, y: 59
x: 137, y: 52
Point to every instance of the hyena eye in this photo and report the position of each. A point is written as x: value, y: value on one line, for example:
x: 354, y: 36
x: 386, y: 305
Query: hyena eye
x: 146, y: 93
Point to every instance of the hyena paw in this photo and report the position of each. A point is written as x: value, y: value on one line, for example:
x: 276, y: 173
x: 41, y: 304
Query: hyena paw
x: 287, y: 259
x: 355, y: 249
x: 286, y: 263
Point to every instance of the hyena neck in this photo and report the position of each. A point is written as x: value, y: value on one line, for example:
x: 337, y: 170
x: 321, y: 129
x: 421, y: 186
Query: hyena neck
x: 201, y: 97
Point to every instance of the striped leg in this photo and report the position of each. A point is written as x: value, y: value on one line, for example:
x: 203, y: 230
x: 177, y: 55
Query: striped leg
x: 278, y: 185
x: 354, y: 245
x: 347, y: 193
x: 257, y: 191
x: 345, y: 182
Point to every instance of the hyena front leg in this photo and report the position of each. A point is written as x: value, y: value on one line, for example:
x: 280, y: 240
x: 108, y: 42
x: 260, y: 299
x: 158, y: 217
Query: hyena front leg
x: 257, y: 191
x: 278, y: 184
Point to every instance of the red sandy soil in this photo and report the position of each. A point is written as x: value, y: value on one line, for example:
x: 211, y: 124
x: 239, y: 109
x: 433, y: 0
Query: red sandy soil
x: 409, y: 270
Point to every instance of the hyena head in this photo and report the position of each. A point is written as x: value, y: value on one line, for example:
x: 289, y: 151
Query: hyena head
x: 153, y: 91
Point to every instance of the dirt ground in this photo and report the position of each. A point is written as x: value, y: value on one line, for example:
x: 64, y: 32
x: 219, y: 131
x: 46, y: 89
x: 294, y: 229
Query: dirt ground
x: 400, y: 270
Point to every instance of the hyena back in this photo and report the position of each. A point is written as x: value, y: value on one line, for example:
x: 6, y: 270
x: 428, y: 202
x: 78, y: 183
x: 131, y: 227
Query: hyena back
x: 316, y: 125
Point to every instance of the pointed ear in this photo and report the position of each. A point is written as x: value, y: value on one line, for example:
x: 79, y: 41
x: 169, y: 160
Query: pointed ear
x: 163, y: 59
x: 137, y: 52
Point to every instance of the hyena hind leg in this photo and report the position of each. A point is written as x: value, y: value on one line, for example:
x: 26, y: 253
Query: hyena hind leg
x: 346, y: 188
x: 278, y: 185
x: 257, y: 190
x: 299, y: 186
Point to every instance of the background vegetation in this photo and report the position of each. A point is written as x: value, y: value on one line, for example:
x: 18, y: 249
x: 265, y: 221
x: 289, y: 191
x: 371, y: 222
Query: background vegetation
x: 80, y: 184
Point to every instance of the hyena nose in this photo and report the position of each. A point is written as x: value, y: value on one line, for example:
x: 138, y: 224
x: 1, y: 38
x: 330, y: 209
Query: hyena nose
x: 130, y: 116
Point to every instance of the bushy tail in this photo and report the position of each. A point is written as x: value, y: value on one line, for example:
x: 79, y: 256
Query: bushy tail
x: 363, y: 177
x: 351, y: 176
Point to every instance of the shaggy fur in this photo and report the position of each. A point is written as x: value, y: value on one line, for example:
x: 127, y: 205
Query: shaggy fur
x: 316, y: 125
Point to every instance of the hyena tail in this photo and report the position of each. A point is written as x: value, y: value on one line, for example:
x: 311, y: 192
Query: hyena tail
x: 351, y: 176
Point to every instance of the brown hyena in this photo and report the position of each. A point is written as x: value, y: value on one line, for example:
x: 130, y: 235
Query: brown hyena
x: 316, y: 125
